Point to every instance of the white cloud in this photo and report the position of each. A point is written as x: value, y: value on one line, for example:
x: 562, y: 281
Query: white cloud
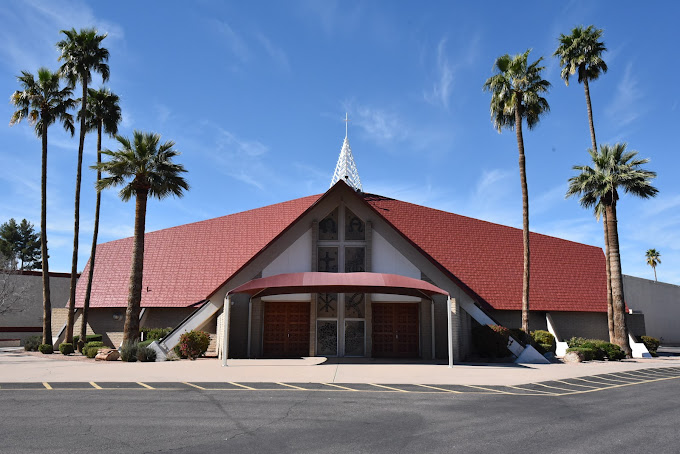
x: 234, y: 41
x: 275, y: 53
x: 441, y: 89
x: 624, y: 109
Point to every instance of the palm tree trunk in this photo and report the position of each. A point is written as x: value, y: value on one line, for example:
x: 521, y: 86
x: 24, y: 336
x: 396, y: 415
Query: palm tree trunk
x: 610, y: 310
x: 76, y: 222
x: 586, y: 88
x: 131, y: 330
x: 654, y: 268
x: 47, y: 305
x: 618, y: 298
x: 93, y: 251
x: 525, y: 214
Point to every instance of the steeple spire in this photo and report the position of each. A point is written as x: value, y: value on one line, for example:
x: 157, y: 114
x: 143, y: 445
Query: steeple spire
x: 346, y: 169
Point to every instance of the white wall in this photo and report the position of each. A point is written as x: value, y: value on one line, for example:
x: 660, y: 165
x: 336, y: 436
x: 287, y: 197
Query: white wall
x: 296, y: 259
x: 659, y: 302
x: 386, y: 259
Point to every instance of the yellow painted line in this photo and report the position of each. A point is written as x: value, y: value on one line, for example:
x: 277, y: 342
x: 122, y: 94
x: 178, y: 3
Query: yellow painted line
x: 293, y: 386
x: 242, y: 386
x: 388, y: 387
x: 635, y: 375
x: 441, y: 389
x: 195, y: 386
x: 540, y: 392
x: 575, y: 384
x: 145, y: 385
x: 46, y: 385
x: 487, y: 389
x: 606, y: 385
x: 95, y: 386
x: 553, y: 387
x: 622, y: 385
x: 612, y: 379
x: 341, y: 387
x: 648, y: 372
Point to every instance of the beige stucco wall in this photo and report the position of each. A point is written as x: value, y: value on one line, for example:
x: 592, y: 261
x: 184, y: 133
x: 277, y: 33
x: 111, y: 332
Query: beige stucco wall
x: 659, y: 302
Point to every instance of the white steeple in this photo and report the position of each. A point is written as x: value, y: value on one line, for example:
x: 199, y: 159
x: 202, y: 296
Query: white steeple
x: 345, y: 169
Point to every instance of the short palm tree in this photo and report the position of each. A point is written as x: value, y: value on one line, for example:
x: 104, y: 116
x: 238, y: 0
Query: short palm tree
x: 516, y: 95
x: 103, y: 115
x: 43, y: 102
x: 581, y: 53
x: 614, y: 169
x: 81, y: 54
x: 144, y: 169
x: 653, y: 259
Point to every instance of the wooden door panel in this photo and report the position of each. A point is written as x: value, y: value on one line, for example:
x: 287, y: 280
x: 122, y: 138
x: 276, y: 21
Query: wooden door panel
x: 286, y: 329
x: 395, y: 330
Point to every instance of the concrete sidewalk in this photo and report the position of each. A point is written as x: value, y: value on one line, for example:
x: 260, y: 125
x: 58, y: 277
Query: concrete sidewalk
x: 17, y: 366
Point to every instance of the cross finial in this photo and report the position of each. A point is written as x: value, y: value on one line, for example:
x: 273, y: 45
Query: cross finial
x: 346, y: 123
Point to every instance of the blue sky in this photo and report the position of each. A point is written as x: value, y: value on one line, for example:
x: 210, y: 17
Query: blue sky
x: 254, y: 94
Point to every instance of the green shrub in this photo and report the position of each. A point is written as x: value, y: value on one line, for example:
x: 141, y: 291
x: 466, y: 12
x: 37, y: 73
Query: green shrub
x: 88, y: 338
x: 146, y: 343
x: 652, y: 343
x: 612, y: 351
x: 520, y: 335
x: 588, y: 353
x: 194, y: 344
x: 155, y: 333
x: 543, y: 341
x: 31, y: 343
x: 91, y: 348
x: 491, y: 340
x: 576, y: 342
x: 178, y: 352
x: 128, y: 352
x: 66, y: 348
x: 45, y: 349
x: 146, y: 354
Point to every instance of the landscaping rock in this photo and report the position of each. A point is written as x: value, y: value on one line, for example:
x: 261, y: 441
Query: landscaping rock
x: 107, y: 354
x: 573, y: 357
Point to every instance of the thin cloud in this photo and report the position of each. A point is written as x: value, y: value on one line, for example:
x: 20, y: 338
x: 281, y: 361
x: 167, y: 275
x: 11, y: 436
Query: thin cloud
x: 234, y: 41
x: 275, y: 53
x: 624, y: 109
x: 441, y: 89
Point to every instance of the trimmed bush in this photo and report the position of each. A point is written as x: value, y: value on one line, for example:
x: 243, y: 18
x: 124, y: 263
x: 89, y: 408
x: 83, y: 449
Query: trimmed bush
x: 194, y: 344
x: 543, y: 341
x: 91, y: 348
x: 576, y: 342
x: 601, y: 349
x: 588, y: 353
x: 66, y: 348
x: 46, y: 349
x: 146, y: 343
x: 491, y: 340
x: 154, y: 333
x: 652, y: 343
x: 146, y: 354
x: 178, y: 352
x: 88, y: 338
x: 612, y: 351
x: 128, y: 352
x: 31, y: 343
x: 521, y: 336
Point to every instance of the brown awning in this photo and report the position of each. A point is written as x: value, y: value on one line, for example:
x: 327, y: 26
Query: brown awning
x: 313, y: 282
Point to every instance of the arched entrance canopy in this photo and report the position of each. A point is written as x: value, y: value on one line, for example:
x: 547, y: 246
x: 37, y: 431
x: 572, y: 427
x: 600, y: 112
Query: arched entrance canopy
x: 314, y: 282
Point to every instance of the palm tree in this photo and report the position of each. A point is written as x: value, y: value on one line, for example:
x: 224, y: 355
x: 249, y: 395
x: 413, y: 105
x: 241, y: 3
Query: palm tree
x: 516, y: 91
x: 43, y: 102
x: 614, y: 169
x: 144, y: 169
x: 581, y: 53
x: 653, y: 260
x: 81, y: 54
x: 103, y: 115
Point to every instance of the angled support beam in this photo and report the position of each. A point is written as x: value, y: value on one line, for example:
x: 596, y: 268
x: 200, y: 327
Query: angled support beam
x: 225, y: 331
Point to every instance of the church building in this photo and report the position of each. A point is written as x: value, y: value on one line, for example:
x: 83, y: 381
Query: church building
x: 347, y: 274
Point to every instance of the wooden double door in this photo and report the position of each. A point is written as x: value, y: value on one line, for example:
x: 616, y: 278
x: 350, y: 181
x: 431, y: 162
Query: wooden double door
x: 286, y: 329
x: 395, y: 330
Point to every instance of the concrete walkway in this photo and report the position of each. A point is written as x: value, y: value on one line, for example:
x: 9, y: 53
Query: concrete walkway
x: 18, y: 366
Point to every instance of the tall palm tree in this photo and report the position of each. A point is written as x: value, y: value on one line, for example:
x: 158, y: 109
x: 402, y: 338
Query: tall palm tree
x: 43, y: 102
x: 81, y: 54
x: 144, y: 169
x: 516, y: 95
x: 653, y: 259
x: 614, y: 169
x: 103, y: 115
x: 581, y: 53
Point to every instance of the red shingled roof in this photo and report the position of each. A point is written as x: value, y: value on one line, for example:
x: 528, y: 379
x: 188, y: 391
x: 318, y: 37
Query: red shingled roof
x: 185, y: 264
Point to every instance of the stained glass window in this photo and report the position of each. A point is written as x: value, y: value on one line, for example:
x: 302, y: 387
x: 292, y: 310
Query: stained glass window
x: 354, y: 305
x: 354, y: 227
x: 327, y: 337
x: 328, y: 259
x: 354, y: 338
x: 327, y: 305
x: 328, y: 227
x: 355, y: 259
